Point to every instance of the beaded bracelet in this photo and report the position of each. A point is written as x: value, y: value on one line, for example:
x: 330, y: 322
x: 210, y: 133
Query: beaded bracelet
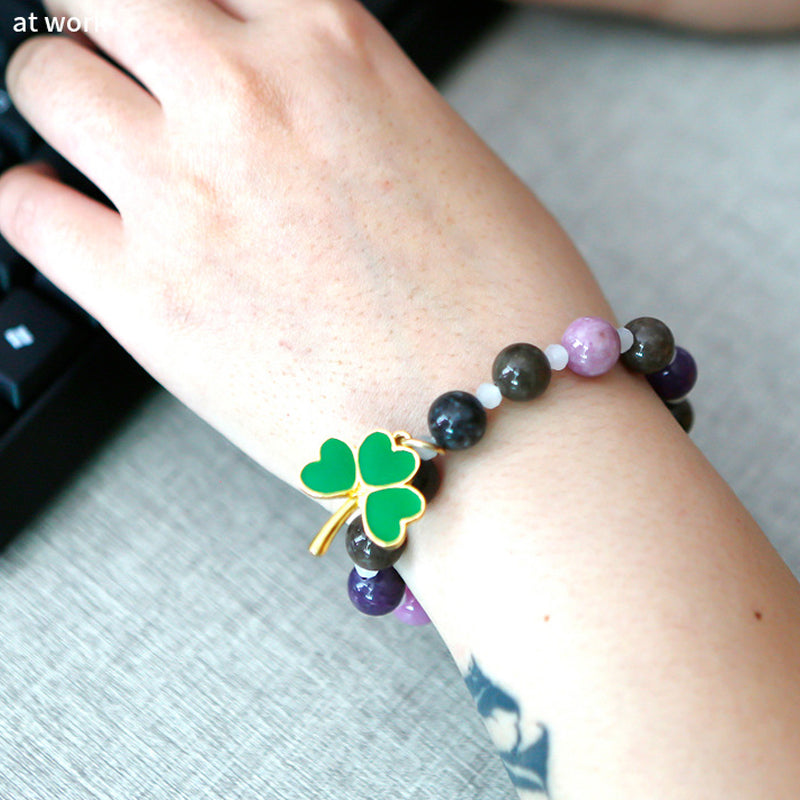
x: 390, y: 478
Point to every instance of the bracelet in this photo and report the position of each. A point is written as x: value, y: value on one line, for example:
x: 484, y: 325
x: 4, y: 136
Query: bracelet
x: 391, y: 477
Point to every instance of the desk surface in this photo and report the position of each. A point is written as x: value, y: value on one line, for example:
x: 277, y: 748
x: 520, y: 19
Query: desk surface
x: 154, y: 641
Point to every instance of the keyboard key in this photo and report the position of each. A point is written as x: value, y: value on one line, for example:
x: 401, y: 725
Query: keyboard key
x: 10, y: 10
x: 46, y: 288
x: 7, y: 416
x: 17, y: 139
x: 14, y: 269
x: 36, y: 340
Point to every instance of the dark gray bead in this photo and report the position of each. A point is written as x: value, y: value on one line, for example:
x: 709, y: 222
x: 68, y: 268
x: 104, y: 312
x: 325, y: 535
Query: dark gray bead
x: 521, y: 371
x: 364, y: 552
x: 456, y: 420
x: 683, y: 413
x: 653, y: 345
x: 427, y: 480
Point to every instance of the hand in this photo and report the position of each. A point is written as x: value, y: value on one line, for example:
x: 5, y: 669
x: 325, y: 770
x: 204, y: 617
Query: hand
x: 309, y: 241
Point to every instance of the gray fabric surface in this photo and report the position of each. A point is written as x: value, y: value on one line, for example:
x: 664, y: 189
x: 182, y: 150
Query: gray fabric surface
x: 163, y: 633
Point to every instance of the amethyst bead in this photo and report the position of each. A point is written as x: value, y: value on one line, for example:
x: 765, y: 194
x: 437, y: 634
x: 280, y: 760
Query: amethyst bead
x: 410, y: 611
x: 377, y: 595
x: 456, y: 420
x: 676, y: 380
x: 593, y: 346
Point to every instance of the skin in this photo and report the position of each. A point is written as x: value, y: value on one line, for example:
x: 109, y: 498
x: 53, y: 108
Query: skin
x: 330, y: 250
x: 721, y: 16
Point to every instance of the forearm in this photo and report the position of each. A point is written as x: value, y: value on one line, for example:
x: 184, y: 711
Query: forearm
x: 598, y: 571
x: 588, y: 557
x: 585, y: 554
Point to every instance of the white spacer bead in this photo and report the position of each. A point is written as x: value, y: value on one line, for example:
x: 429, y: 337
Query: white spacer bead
x: 489, y: 395
x: 625, y: 340
x: 557, y: 355
x: 366, y: 573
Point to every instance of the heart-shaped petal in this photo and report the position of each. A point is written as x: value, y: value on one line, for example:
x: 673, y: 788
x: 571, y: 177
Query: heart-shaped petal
x: 382, y: 462
x: 387, y: 512
x: 335, y: 472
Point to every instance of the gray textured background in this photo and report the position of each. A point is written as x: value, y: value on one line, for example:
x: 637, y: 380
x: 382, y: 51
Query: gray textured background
x: 163, y: 633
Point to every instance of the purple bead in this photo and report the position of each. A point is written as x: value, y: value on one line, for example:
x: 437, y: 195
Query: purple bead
x: 377, y: 595
x: 676, y: 380
x: 592, y: 344
x: 410, y: 611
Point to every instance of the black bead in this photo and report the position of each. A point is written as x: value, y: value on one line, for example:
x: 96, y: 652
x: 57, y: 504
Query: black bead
x: 653, y: 346
x: 427, y: 480
x: 456, y: 420
x: 683, y: 413
x: 521, y: 371
x: 364, y: 552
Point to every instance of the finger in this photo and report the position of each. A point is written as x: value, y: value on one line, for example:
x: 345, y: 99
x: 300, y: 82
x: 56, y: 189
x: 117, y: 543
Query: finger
x: 243, y: 10
x: 75, y: 241
x: 88, y: 110
x: 155, y: 40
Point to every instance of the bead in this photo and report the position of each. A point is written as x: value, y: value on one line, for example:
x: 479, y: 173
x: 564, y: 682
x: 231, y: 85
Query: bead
x: 677, y: 379
x: 377, y: 595
x: 683, y: 413
x: 365, y: 573
x: 592, y: 344
x: 427, y: 480
x: 653, y: 345
x: 557, y: 355
x: 410, y: 611
x: 489, y: 395
x: 364, y: 552
x: 521, y: 371
x: 456, y: 420
x: 625, y: 339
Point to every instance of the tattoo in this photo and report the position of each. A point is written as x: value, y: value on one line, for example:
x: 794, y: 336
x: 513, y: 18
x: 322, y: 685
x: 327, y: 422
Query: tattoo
x: 526, y: 762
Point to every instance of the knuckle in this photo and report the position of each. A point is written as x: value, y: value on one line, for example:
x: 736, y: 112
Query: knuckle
x: 342, y: 25
x: 249, y: 92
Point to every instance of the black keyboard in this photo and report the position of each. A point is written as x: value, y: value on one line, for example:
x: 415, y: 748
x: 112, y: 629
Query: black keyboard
x: 64, y: 382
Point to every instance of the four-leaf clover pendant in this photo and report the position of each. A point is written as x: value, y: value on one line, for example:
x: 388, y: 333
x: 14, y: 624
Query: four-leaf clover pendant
x: 375, y: 478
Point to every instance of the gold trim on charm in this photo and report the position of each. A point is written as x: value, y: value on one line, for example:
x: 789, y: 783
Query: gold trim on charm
x: 404, y: 439
x: 322, y: 541
x: 357, y: 494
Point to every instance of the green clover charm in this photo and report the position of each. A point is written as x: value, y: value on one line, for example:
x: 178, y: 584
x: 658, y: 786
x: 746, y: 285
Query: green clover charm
x: 375, y: 479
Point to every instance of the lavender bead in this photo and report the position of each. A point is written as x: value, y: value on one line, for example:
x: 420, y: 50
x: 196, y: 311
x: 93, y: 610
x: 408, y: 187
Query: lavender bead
x: 377, y: 595
x: 410, y: 611
x: 677, y: 379
x: 592, y: 344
